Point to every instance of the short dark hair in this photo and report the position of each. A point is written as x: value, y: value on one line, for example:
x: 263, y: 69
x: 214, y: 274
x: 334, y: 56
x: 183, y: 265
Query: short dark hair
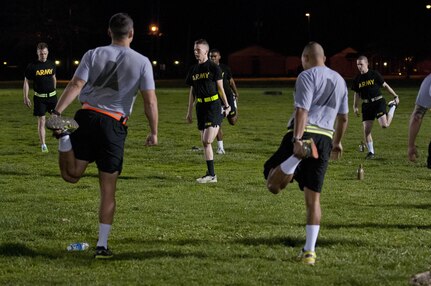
x: 120, y: 25
x: 42, y: 45
x: 214, y: 51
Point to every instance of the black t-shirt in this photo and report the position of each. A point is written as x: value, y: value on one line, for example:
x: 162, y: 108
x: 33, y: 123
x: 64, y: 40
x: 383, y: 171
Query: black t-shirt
x: 227, y: 76
x: 41, y: 73
x: 368, y: 85
x: 203, y: 78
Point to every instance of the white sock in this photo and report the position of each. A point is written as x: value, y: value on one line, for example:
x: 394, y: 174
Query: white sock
x: 64, y: 144
x: 104, y: 230
x: 391, y: 111
x: 288, y: 167
x: 311, y: 233
x: 370, y: 147
x: 220, y: 144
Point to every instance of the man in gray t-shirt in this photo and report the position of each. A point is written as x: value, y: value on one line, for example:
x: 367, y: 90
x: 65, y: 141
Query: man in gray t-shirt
x: 321, y: 101
x: 106, y: 81
x: 423, y: 103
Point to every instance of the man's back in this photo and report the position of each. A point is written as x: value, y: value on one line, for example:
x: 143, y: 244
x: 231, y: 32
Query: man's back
x: 323, y: 92
x: 113, y: 74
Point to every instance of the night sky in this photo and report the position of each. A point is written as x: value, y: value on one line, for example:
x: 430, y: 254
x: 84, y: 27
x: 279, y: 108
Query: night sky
x: 71, y: 27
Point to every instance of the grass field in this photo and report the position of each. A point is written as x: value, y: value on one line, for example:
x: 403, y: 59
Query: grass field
x: 168, y: 230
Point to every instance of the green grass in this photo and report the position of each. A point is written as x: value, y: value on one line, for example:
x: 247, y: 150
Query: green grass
x: 168, y: 230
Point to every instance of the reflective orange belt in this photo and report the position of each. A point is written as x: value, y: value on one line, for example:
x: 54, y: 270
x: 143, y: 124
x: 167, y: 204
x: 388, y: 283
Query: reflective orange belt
x: 116, y: 115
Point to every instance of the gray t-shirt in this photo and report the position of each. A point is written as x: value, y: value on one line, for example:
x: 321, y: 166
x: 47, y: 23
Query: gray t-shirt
x: 113, y: 75
x: 323, y: 93
x: 424, y: 95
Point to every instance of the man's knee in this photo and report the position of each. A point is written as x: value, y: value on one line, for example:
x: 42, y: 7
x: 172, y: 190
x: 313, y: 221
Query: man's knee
x: 277, y: 180
x: 275, y: 189
x: 69, y: 179
x: 232, y: 120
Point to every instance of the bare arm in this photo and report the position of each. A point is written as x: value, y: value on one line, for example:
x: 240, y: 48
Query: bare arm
x: 25, y: 90
x: 69, y: 94
x: 223, y: 96
x: 152, y: 113
x: 189, y: 116
x: 300, y: 121
x: 414, y: 127
x: 391, y: 91
x: 233, y: 87
x: 221, y: 92
x: 340, y: 128
x: 356, y: 99
x: 54, y: 78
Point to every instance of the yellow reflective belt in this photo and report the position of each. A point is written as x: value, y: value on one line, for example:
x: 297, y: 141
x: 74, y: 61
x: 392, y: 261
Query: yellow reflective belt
x: 316, y: 130
x: 208, y: 99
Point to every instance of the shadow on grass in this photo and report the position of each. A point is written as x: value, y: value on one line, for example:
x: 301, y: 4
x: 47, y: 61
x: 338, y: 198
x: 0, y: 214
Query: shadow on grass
x: 19, y: 249
x: 377, y: 226
x: 157, y: 254
x: 297, y: 242
x: 425, y: 206
x: 89, y: 175
x: 16, y: 173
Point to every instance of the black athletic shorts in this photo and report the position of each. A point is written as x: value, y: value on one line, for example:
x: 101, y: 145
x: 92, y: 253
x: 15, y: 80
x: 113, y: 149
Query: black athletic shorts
x: 208, y: 114
x: 373, y: 110
x: 99, y: 139
x: 310, y: 172
x: 42, y: 105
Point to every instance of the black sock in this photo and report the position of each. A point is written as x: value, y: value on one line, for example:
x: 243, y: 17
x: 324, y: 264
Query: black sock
x: 210, y: 166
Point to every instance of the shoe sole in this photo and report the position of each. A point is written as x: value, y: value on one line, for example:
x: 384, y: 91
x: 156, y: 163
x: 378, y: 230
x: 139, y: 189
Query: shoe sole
x: 313, y: 149
x: 61, y: 123
x: 207, y: 182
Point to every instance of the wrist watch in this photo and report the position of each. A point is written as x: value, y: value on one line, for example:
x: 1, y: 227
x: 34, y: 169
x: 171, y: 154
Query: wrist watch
x: 295, y: 139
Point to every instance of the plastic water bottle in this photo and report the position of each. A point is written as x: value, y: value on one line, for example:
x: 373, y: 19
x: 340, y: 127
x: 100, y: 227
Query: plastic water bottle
x: 78, y: 246
x: 360, y: 172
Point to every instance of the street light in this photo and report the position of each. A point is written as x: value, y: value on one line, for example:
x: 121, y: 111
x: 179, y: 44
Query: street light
x: 154, y: 30
x: 308, y: 21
